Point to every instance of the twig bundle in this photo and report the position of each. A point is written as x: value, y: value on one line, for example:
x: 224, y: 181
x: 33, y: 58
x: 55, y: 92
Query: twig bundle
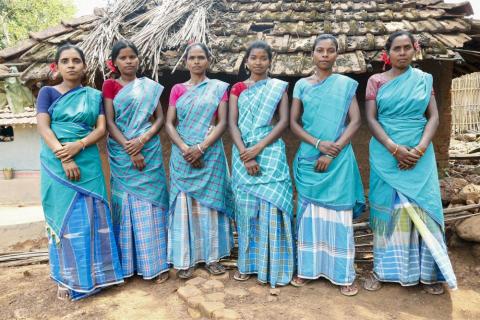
x: 153, y: 26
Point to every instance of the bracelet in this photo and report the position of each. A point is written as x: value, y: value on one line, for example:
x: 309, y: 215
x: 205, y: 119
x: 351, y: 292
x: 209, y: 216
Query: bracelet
x: 200, y: 149
x: 140, y: 140
x: 83, y: 144
x: 396, y: 150
x: 419, y: 151
x: 329, y: 156
x: 317, y: 143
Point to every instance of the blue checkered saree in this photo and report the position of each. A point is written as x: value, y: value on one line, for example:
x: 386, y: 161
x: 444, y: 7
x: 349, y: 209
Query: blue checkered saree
x: 202, y: 196
x: 264, y: 203
x: 83, y: 252
x: 326, y: 200
x: 401, y: 104
x: 139, y: 198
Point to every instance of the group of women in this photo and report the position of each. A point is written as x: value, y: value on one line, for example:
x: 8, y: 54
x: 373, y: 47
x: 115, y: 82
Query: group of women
x: 148, y: 227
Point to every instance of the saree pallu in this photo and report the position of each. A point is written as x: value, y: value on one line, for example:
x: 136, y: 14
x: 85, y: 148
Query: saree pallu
x: 195, y: 190
x: 264, y: 203
x: 337, y: 191
x: 82, y: 247
x: 402, y: 103
x: 139, y: 198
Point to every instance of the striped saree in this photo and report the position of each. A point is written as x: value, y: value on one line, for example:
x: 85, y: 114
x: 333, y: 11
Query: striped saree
x: 83, y: 252
x: 139, y: 198
x: 406, y: 212
x: 263, y: 203
x: 201, y: 202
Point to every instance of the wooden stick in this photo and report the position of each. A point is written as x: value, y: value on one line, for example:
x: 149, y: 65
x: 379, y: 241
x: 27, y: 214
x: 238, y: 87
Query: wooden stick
x: 462, y: 208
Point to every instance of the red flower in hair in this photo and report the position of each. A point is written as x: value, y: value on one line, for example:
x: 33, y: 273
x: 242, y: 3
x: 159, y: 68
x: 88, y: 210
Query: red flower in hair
x: 53, y: 67
x: 417, y: 46
x: 386, y: 59
x: 111, y: 66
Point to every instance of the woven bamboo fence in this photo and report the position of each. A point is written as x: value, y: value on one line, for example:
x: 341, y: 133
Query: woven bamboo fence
x: 466, y: 103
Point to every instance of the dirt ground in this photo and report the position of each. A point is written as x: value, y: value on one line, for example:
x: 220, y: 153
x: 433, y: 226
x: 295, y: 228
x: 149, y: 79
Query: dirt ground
x: 28, y: 293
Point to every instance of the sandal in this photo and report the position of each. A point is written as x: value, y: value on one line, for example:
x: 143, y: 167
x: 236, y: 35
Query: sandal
x: 162, y: 278
x: 435, y: 288
x: 215, y: 268
x: 241, y: 276
x: 63, y: 293
x: 371, y: 283
x: 349, y: 291
x: 185, y: 273
x: 299, y: 282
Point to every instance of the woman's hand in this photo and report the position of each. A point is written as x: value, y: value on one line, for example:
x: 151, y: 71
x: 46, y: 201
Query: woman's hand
x: 71, y: 170
x: 251, y: 153
x: 138, y: 161
x: 193, y: 154
x: 322, y: 163
x: 197, y: 164
x: 330, y: 148
x: 406, y: 158
x: 252, y: 167
x: 69, y: 150
x: 134, y: 146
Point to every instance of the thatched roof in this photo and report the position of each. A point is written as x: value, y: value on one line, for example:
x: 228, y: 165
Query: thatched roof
x: 290, y: 26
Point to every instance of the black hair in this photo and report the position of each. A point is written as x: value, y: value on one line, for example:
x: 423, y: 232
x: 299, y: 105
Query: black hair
x: 69, y: 46
x: 325, y: 36
x: 396, y: 34
x: 198, y: 44
x: 259, y: 44
x: 119, y: 46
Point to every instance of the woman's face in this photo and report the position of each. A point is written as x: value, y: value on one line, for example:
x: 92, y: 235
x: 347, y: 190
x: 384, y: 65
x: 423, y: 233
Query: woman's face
x: 401, y: 52
x: 197, y: 60
x: 325, y: 54
x: 258, y: 62
x: 70, y: 65
x: 127, y: 62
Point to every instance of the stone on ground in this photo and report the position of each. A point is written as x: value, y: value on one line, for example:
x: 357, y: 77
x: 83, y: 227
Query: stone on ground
x: 196, y: 281
x: 194, y: 301
x: 188, y: 291
x: 470, y: 192
x: 216, y: 296
x: 469, y: 229
x: 275, y: 291
x: 226, y: 314
x: 200, y: 272
x: 194, y: 313
x: 207, y: 308
x: 212, y: 285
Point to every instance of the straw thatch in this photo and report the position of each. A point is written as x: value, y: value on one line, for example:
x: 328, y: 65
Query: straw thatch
x: 164, y: 25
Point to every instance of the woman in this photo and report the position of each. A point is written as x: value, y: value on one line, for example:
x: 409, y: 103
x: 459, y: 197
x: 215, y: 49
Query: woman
x: 260, y: 174
x: 330, y: 191
x: 200, y: 191
x: 139, y: 187
x: 405, y: 206
x: 83, y: 252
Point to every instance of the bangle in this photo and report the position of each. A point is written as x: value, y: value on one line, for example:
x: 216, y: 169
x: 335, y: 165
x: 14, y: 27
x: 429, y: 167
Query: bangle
x: 140, y: 140
x: 329, y: 156
x: 83, y: 144
x: 396, y: 150
x: 200, y: 149
x: 317, y: 143
x: 419, y: 151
